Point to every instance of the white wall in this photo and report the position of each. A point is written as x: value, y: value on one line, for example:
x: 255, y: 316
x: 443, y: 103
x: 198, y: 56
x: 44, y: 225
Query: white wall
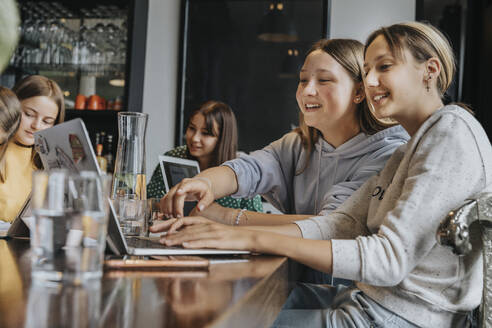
x: 356, y: 19
x: 161, y: 71
x: 349, y: 19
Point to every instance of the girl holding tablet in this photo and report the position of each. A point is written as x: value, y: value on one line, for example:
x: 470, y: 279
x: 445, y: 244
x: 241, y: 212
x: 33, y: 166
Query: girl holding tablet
x: 211, y: 139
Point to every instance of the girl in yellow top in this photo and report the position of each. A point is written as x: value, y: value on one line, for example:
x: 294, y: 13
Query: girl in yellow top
x: 42, y: 107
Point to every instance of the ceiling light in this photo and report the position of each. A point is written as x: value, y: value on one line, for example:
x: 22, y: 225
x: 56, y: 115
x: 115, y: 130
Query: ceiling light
x: 117, y: 82
x: 276, y: 26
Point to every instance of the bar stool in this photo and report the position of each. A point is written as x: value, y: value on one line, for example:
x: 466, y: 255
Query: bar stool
x: 454, y: 232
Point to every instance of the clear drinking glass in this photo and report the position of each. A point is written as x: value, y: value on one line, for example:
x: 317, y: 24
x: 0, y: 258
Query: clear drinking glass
x: 129, y: 183
x: 133, y: 215
x: 71, y: 216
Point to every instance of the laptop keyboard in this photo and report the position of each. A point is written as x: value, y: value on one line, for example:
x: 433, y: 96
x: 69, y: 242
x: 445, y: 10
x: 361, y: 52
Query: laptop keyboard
x: 136, y: 242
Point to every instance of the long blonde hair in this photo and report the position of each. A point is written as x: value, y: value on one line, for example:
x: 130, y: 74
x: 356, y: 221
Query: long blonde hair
x: 10, y: 116
x: 349, y: 54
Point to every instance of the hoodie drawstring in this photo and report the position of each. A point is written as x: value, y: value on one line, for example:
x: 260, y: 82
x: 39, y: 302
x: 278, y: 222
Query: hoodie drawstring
x: 317, y: 181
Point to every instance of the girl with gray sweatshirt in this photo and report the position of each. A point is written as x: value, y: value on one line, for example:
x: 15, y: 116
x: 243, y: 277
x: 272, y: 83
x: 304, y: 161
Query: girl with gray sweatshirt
x: 384, y: 235
x: 313, y: 169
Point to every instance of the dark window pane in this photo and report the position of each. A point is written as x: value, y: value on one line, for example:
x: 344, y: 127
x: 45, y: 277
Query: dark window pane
x: 226, y: 61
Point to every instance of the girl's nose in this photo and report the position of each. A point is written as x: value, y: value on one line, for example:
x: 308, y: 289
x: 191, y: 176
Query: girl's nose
x: 36, y: 124
x: 310, y: 89
x: 195, y: 137
x: 371, y: 79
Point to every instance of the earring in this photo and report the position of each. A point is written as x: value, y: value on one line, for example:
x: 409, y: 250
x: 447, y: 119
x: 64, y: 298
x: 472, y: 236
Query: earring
x: 357, y: 99
x: 427, y: 83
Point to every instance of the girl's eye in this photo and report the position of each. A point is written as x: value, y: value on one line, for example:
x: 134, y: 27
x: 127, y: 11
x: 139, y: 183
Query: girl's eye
x: 48, y: 122
x: 324, y: 80
x: 384, y: 67
x: 302, y: 80
x: 28, y: 114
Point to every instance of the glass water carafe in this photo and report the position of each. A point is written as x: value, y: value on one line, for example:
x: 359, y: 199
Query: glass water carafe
x: 129, y: 183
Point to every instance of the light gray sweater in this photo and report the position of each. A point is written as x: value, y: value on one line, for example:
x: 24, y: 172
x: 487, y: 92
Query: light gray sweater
x: 332, y: 175
x: 384, y: 235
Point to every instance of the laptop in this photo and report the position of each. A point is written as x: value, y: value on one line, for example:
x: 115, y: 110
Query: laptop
x: 176, y: 169
x: 67, y: 145
x: 19, y: 228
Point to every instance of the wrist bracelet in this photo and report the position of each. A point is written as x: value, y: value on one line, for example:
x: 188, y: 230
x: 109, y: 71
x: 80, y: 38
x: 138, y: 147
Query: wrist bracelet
x: 207, y: 180
x: 238, y: 217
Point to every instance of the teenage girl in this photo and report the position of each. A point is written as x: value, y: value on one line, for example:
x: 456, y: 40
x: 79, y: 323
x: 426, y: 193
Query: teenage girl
x: 384, y: 236
x: 42, y: 107
x: 211, y: 139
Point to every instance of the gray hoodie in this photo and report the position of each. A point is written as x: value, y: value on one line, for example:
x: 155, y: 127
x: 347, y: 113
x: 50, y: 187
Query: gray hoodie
x: 331, y: 176
x: 384, y: 235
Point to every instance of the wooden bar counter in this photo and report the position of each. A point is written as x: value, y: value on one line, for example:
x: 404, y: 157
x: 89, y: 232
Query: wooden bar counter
x: 240, y: 294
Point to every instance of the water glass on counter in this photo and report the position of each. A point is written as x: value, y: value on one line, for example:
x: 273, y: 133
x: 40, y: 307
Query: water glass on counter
x: 133, y: 215
x: 71, y: 216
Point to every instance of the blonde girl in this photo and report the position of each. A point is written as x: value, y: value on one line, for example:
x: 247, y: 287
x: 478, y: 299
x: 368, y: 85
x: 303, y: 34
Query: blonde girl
x: 42, y: 107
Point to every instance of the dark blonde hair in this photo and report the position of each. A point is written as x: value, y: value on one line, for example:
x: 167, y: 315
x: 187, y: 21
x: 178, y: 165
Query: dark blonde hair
x: 10, y: 116
x: 36, y: 86
x: 223, y: 116
x: 349, y: 54
x: 424, y: 41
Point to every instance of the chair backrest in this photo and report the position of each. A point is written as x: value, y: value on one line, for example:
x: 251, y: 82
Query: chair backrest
x: 454, y: 232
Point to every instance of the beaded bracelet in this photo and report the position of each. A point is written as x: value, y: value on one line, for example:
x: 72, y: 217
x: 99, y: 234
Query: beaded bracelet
x: 238, y: 217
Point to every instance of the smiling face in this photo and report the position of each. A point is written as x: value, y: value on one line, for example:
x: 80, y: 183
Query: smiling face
x: 395, y: 87
x: 326, y: 95
x: 38, y: 113
x: 200, y: 142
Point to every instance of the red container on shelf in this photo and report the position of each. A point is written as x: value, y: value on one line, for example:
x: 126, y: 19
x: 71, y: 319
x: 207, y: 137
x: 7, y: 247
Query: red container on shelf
x: 102, y: 103
x: 80, y: 102
x: 94, y: 102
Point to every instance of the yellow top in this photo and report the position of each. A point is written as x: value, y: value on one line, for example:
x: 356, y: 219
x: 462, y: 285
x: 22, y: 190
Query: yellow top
x: 11, y: 290
x: 18, y: 180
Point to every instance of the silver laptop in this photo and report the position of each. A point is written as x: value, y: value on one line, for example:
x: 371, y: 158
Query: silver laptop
x: 67, y: 145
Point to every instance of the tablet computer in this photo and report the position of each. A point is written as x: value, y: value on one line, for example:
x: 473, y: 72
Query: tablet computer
x: 175, y: 169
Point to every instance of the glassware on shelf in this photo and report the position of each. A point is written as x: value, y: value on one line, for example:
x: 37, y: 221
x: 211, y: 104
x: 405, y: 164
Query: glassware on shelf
x: 52, y: 38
